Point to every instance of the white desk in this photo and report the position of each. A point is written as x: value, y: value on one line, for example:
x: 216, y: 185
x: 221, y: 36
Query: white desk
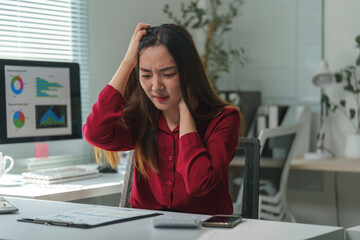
x: 10, y: 228
x: 107, y: 183
x: 328, y: 165
x: 299, y: 163
x: 353, y: 233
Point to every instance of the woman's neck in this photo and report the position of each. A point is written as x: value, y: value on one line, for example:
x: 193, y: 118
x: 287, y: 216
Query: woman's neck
x: 172, y: 118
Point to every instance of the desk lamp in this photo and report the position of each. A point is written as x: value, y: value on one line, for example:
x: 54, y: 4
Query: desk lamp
x: 322, y: 79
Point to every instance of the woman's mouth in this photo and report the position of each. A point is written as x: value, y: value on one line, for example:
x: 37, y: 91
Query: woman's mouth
x: 161, y: 98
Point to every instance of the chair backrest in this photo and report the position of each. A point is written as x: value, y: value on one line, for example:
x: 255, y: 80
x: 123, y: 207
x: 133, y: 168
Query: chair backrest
x: 277, y: 148
x: 250, y: 181
x: 128, y: 180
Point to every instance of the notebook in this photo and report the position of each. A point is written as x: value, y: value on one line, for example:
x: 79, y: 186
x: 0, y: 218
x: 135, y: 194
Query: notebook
x: 90, y: 217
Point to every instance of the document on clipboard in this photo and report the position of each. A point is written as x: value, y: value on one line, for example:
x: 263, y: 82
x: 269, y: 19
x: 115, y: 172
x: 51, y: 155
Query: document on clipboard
x: 94, y: 216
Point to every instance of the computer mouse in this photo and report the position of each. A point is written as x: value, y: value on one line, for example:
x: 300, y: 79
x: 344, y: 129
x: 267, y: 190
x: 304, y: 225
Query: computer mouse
x: 106, y: 169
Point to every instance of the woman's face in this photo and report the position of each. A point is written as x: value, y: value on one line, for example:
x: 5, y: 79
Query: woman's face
x: 159, y: 77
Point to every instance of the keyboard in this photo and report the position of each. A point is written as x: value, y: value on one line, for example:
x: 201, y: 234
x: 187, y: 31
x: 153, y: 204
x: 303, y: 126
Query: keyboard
x: 58, y: 175
x: 176, y: 221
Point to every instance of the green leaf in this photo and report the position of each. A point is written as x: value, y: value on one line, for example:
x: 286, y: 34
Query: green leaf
x: 324, y: 98
x: 352, y: 113
x: 343, y: 103
x: 357, y: 40
x: 348, y: 73
x: 349, y: 88
x: 166, y: 8
x: 196, y: 25
x: 338, y: 77
x: 358, y: 61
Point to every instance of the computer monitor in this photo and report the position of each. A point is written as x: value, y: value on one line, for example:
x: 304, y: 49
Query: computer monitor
x: 39, y: 101
x: 248, y: 102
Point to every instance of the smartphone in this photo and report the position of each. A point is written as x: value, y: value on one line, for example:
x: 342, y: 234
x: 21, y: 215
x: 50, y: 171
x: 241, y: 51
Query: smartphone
x: 223, y: 221
x: 6, y: 207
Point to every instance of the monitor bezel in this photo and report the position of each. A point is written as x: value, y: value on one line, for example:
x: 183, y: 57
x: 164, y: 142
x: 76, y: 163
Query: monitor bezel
x: 74, y: 94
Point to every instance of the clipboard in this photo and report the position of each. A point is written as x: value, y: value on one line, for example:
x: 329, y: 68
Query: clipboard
x: 94, y: 216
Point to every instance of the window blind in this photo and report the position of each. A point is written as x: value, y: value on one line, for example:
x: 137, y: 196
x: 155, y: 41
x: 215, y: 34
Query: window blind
x: 282, y: 39
x: 48, y: 30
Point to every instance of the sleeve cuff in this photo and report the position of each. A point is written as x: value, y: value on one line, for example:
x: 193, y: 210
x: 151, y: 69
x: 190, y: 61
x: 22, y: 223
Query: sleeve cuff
x: 190, y: 139
x: 110, y: 94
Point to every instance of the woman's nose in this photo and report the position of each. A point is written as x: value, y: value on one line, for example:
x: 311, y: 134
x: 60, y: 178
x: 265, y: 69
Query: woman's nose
x: 157, y: 84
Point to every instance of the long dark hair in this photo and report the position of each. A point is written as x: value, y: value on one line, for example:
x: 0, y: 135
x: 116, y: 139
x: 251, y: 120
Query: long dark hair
x: 140, y: 113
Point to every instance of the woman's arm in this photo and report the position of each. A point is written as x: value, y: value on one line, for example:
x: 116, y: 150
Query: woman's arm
x: 203, y: 162
x: 102, y: 128
x: 187, y: 122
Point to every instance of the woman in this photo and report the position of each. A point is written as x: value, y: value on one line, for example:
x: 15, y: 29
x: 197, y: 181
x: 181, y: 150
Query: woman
x: 161, y: 104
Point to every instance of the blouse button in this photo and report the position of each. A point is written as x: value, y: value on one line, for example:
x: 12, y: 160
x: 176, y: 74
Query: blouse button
x: 170, y: 158
x: 168, y: 183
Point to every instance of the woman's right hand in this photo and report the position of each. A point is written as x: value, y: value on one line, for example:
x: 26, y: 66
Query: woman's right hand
x: 131, y: 56
x: 130, y: 60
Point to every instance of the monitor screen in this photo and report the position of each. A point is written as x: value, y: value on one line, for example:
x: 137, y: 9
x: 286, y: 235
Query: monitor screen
x: 40, y: 101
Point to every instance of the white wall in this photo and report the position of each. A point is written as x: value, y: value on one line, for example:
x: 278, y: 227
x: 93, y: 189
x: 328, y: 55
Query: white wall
x: 311, y: 194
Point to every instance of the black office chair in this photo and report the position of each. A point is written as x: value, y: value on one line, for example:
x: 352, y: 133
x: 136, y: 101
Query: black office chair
x: 277, y: 149
x: 251, y: 149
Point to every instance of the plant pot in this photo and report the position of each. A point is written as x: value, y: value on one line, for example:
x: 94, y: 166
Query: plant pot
x: 352, y: 146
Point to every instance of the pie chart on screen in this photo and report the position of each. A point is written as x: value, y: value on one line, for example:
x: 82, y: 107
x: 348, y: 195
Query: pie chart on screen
x: 17, y: 85
x: 19, y: 119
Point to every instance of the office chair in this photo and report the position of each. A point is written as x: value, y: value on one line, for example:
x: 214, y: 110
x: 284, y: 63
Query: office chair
x: 249, y: 149
x: 250, y: 196
x: 277, y: 149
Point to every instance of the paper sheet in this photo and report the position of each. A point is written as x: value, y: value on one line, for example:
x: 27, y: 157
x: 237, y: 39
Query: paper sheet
x: 90, y: 216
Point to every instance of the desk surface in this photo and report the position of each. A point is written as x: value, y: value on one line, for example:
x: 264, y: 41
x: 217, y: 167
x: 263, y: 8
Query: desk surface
x: 331, y: 165
x: 107, y: 183
x: 299, y: 163
x: 353, y: 233
x: 10, y: 228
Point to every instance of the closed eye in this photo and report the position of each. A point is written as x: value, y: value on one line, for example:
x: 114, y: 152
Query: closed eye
x: 170, y: 74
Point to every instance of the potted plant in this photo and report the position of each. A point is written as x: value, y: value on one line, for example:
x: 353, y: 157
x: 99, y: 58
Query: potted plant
x: 216, y: 57
x: 349, y: 79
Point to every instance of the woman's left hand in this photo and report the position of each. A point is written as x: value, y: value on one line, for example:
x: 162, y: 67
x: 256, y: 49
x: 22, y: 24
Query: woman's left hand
x: 182, y: 106
x: 187, y: 122
x: 194, y: 102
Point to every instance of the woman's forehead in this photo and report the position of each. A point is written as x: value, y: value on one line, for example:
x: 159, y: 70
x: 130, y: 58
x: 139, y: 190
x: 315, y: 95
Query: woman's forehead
x: 156, y: 57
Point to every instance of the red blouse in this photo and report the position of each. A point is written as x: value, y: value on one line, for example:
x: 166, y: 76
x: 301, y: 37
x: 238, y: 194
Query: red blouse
x: 193, y: 170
